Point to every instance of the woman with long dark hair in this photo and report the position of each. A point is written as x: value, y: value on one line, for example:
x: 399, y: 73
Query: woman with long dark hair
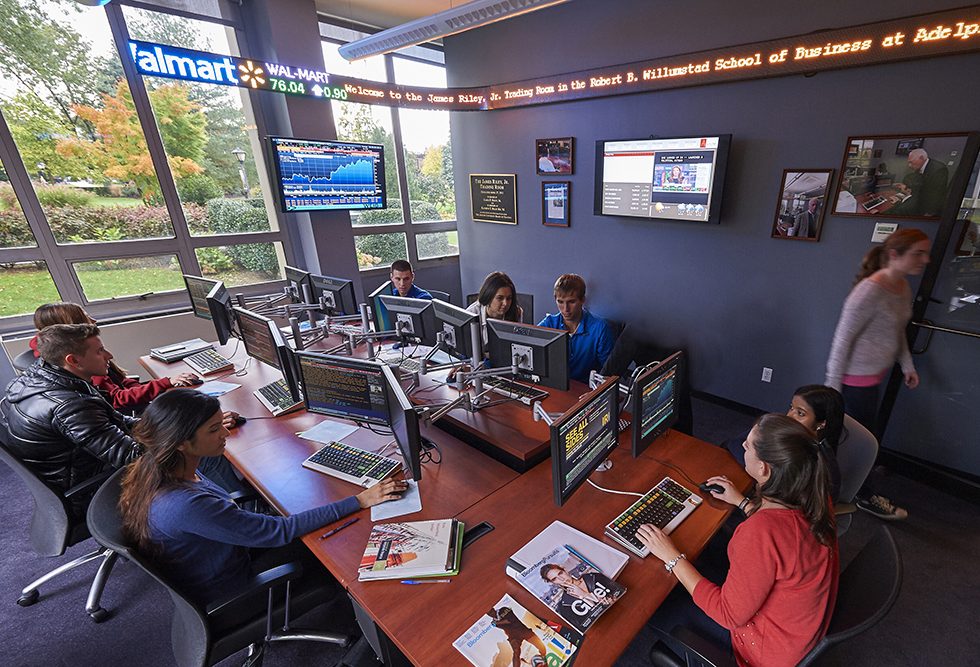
x: 870, y: 337
x: 497, y: 299
x: 779, y: 594
x: 189, y: 525
x: 125, y: 393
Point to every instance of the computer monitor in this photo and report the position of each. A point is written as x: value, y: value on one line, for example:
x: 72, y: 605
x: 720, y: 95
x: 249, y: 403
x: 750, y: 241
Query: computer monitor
x: 254, y: 329
x: 338, y: 293
x: 541, y: 352
x: 404, y: 422
x: 219, y: 306
x: 343, y: 387
x: 412, y: 318
x: 379, y: 315
x: 198, y: 289
x: 287, y: 362
x: 583, y: 437
x: 654, y: 402
x: 295, y: 279
x: 454, y: 323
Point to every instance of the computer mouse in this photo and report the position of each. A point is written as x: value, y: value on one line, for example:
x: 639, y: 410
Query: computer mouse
x: 239, y: 420
x: 708, y: 488
x: 195, y: 381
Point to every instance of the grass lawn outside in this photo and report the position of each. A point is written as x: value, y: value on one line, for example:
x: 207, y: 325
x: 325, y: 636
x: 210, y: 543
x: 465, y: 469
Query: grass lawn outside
x: 117, y: 201
x: 23, y: 290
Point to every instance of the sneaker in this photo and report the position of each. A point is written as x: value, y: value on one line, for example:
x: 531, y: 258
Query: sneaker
x: 882, y: 508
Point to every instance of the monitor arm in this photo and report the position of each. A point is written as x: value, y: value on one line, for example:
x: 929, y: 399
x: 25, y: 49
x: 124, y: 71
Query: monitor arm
x: 540, y: 414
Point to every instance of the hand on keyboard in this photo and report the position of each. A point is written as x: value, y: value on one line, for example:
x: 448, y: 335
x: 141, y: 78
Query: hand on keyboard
x: 386, y: 489
x: 657, y: 541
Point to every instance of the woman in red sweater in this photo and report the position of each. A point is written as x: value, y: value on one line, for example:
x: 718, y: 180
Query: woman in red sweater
x: 125, y: 393
x: 779, y: 594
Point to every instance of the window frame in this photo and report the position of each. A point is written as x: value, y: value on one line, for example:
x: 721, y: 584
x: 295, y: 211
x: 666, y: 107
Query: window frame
x: 60, y: 258
x: 329, y: 33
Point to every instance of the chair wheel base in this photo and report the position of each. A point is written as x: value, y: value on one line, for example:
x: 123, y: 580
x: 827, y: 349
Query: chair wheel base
x: 27, y: 599
x: 100, y: 614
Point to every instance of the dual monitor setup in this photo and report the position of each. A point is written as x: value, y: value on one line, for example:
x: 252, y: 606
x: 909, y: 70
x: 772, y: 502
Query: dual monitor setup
x: 586, y: 434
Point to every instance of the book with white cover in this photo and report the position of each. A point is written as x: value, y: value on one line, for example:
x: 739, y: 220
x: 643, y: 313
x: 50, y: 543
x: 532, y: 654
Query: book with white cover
x: 609, y: 560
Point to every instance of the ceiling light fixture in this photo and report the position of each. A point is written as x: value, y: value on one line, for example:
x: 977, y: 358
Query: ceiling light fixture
x: 458, y: 19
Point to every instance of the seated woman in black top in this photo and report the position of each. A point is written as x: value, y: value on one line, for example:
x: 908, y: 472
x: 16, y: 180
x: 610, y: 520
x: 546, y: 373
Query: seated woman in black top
x: 190, y: 526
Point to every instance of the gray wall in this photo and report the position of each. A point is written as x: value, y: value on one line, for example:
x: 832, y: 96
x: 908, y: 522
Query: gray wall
x: 736, y: 299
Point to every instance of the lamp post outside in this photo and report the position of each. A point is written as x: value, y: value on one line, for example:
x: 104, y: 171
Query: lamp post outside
x: 240, y: 154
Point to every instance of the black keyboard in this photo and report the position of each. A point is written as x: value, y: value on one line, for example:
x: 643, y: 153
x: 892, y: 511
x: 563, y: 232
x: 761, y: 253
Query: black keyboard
x: 410, y: 365
x: 207, y: 361
x: 524, y: 393
x: 666, y: 505
x: 278, y: 396
x: 352, y: 464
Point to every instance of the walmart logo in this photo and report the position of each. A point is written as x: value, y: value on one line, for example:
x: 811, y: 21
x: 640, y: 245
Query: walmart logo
x: 177, y: 63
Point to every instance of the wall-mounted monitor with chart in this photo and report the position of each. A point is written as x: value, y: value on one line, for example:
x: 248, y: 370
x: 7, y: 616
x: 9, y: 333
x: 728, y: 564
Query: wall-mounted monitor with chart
x: 328, y: 175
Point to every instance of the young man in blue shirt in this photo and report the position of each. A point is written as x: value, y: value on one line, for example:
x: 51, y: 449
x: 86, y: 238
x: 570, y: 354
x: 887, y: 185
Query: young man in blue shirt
x: 590, y: 339
x: 403, y: 281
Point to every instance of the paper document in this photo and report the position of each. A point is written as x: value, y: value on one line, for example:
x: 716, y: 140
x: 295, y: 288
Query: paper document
x: 328, y: 431
x: 411, y: 501
x: 216, y: 388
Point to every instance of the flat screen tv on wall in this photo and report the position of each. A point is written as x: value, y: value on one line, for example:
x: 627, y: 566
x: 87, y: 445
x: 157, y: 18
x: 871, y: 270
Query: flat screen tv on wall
x: 328, y: 175
x: 670, y: 178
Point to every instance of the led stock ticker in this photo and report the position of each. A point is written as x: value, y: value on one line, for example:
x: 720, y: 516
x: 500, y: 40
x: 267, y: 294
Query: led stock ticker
x: 928, y: 35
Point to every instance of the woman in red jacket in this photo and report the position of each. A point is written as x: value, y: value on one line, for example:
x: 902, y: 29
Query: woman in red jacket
x: 779, y: 594
x: 125, y: 393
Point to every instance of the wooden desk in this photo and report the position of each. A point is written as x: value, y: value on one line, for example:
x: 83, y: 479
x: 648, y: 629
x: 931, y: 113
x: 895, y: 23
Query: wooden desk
x: 423, y: 621
x: 522, y: 509
x: 507, y: 432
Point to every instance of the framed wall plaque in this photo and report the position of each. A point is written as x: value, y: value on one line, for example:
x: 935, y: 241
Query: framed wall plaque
x: 493, y: 198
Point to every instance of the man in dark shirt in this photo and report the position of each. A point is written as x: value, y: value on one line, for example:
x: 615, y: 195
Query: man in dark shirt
x: 403, y: 281
x: 926, y: 183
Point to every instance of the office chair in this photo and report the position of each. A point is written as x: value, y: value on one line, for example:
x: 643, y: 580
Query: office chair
x: 54, y: 528
x: 436, y: 294
x: 205, y: 635
x: 856, y: 455
x: 23, y: 361
x: 868, y: 588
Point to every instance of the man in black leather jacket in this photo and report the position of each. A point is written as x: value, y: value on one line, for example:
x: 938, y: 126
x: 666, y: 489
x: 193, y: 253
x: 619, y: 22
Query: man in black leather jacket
x: 59, y: 423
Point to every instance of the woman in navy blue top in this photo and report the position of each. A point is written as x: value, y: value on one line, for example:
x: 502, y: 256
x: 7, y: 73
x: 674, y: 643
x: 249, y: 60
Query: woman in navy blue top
x: 189, y: 525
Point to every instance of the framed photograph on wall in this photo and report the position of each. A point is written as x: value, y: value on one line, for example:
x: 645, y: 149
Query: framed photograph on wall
x: 900, y: 176
x: 555, y: 202
x: 802, y: 204
x: 553, y: 156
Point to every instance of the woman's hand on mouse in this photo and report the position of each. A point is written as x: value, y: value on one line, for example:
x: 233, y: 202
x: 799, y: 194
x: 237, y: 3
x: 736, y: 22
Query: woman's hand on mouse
x: 729, y: 493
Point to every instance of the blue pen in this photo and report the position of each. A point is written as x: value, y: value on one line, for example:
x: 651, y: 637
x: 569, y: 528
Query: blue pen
x: 582, y: 558
x: 426, y: 581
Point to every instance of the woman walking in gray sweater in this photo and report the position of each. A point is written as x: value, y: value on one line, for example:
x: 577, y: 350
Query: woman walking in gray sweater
x: 870, y: 337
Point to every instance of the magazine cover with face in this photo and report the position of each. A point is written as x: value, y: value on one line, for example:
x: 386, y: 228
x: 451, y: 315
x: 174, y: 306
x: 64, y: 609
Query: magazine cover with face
x: 574, y: 589
x: 508, y: 635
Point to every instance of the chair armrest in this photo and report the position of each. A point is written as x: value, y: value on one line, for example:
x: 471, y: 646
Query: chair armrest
x: 240, y: 497
x: 693, y: 649
x: 92, y: 482
x: 844, y: 508
x: 260, y: 583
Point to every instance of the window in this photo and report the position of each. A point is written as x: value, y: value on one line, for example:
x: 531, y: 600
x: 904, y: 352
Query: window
x: 118, y: 278
x: 422, y: 157
x: 26, y: 285
x: 210, y: 143
x: 107, y: 231
x: 428, y: 153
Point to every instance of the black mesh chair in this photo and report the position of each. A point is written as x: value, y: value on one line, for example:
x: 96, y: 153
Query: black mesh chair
x: 206, y: 635
x: 869, y: 586
x: 55, y: 527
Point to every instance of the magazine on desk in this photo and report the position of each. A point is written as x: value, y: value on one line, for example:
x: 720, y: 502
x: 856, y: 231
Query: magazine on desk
x: 609, y: 560
x: 572, y: 588
x: 412, y: 549
x: 508, y: 634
